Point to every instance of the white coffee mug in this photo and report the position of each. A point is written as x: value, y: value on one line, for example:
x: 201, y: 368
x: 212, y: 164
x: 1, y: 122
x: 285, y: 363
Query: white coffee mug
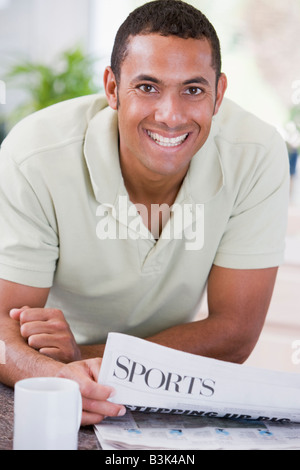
x: 47, y: 414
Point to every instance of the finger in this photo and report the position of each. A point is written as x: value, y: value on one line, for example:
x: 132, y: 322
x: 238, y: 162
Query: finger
x: 95, y: 400
x: 16, y: 312
x: 89, y: 419
x: 54, y: 353
x: 102, y: 408
x: 51, y: 327
x: 36, y: 327
x: 38, y: 314
x: 95, y: 392
x: 50, y: 352
x: 39, y: 341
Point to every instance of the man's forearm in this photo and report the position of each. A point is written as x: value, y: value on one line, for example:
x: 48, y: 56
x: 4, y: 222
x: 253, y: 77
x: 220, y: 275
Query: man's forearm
x: 207, y: 338
x: 238, y: 301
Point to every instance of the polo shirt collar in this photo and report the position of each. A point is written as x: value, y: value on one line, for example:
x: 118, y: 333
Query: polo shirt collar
x: 204, y: 180
x: 101, y: 149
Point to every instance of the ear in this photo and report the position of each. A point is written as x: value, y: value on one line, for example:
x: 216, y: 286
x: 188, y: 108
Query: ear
x: 111, y: 89
x: 221, y: 88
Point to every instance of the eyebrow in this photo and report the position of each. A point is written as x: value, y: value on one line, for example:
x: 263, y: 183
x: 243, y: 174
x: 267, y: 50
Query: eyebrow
x: 148, y: 78
x: 200, y: 80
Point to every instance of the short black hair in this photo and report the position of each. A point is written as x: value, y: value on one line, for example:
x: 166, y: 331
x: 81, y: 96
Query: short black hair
x: 167, y: 18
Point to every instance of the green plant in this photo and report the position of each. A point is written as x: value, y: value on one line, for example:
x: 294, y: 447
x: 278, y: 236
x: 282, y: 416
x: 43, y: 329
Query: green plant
x: 72, y: 76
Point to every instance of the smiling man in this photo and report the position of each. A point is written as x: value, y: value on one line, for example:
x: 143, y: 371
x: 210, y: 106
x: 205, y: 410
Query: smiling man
x: 118, y: 211
x: 166, y: 105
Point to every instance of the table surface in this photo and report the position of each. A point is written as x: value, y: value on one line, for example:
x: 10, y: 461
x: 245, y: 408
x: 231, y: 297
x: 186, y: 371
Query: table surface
x: 87, y: 439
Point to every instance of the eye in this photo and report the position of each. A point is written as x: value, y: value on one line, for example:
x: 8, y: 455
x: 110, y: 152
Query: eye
x: 193, y: 90
x: 147, y: 88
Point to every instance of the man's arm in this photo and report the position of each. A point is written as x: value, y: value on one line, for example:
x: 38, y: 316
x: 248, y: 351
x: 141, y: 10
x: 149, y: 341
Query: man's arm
x: 22, y: 361
x: 238, y: 301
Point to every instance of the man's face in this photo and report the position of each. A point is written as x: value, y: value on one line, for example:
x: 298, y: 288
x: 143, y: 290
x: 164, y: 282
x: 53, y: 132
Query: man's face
x: 166, y: 99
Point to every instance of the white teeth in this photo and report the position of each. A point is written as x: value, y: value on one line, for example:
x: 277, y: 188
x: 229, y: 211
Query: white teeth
x: 165, y: 141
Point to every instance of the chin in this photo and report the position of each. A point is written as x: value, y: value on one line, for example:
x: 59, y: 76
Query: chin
x: 168, y: 170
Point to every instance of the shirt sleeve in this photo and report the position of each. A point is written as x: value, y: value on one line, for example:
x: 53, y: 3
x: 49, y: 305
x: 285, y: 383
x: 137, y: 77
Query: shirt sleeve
x: 28, y: 242
x: 255, y: 234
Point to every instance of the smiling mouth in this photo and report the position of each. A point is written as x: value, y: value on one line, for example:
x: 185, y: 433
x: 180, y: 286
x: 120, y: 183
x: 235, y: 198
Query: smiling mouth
x: 167, y: 141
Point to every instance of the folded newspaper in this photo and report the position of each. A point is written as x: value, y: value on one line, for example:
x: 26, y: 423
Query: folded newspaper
x: 149, y: 378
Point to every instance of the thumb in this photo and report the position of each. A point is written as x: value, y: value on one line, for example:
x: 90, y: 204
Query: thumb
x: 16, y: 312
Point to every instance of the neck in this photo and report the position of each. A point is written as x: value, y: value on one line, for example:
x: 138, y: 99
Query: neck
x: 154, y: 198
x: 148, y: 188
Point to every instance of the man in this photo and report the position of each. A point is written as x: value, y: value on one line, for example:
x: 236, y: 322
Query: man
x: 209, y: 181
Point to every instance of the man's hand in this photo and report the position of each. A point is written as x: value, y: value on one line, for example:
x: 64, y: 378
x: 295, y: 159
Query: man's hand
x: 47, y: 331
x: 95, y: 406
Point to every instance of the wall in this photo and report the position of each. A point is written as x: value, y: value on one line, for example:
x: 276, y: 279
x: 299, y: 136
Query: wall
x: 38, y: 30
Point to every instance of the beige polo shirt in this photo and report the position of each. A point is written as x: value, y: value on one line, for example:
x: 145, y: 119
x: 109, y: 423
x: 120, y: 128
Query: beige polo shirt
x: 66, y: 221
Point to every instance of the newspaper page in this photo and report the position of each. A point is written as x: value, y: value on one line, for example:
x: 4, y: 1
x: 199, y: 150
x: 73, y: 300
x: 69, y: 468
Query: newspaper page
x: 142, y: 431
x: 150, y: 378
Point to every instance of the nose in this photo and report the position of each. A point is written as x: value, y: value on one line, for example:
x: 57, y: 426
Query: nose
x: 170, y: 110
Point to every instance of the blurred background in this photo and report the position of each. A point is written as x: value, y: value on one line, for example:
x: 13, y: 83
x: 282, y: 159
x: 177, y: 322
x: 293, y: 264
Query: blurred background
x: 51, y: 50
